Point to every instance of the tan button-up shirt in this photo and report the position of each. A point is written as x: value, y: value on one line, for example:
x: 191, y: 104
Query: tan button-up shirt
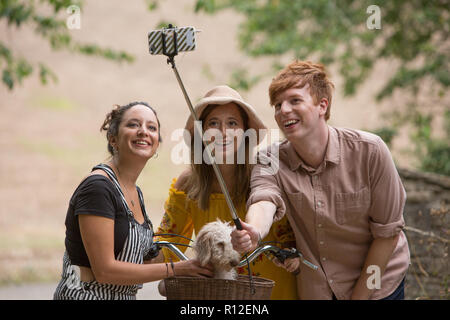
x: 337, y: 210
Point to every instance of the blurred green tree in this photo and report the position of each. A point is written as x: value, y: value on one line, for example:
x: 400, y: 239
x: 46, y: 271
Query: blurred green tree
x: 49, y: 19
x: 414, y: 33
x: 354, y: 35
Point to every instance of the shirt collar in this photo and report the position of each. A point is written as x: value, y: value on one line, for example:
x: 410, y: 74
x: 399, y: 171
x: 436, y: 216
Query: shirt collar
x: 334, y: 148
x: 332, y: 154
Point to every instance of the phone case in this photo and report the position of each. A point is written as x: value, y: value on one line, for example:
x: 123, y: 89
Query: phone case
x: 185, y: 40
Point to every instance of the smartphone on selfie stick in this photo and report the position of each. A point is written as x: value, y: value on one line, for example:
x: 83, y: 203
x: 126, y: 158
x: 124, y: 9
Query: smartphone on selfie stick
x: 169, y: 41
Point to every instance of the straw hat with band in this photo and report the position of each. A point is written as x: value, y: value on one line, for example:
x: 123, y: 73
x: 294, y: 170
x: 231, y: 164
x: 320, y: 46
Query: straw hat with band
x: 222, y: 95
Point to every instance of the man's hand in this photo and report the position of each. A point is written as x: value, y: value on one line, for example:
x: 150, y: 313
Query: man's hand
x: 291, y: 265
x: 380, y: 251
x: 260, y: 218
x: 245, y: 240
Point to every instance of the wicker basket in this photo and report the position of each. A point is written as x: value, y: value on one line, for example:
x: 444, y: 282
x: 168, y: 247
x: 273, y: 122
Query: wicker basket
x: 193, y: 288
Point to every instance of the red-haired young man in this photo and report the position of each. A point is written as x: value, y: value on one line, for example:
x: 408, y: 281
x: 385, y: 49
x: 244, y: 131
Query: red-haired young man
x: 340, y: 191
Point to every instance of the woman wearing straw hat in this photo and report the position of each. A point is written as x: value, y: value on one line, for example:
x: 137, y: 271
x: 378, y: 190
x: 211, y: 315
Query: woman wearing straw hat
x: 195, y: 198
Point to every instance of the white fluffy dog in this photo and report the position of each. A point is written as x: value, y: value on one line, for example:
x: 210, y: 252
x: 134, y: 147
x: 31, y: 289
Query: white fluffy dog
x: 213, y: 246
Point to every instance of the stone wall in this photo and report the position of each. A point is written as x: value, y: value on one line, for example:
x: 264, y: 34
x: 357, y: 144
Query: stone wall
x: 428, y: 232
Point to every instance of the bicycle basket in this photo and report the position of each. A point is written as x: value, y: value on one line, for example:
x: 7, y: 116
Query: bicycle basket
x: 194, y: 288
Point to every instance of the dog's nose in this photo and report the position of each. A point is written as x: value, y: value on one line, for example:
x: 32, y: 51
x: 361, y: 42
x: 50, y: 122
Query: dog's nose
x: 234, y: 263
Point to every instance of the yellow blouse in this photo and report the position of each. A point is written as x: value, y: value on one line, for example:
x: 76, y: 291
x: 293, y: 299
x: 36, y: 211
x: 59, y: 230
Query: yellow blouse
x: 183, y: 217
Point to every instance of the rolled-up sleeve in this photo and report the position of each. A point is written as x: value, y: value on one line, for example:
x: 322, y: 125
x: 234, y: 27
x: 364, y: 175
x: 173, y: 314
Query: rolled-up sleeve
x: 388, y: 195
x: 264, y: 187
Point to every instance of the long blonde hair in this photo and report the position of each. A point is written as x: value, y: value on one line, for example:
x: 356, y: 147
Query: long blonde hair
x: 198, y: 185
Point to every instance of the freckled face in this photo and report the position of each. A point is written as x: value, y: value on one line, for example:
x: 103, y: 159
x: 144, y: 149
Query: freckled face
x: 296, y: 113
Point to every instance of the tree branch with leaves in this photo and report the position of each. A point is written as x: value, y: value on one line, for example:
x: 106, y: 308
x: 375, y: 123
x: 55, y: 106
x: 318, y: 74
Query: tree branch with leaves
x: 52, y: 28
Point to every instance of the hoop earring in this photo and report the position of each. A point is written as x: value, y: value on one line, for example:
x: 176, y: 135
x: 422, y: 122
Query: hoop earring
x: 115, y: 150
x: 155, y: 156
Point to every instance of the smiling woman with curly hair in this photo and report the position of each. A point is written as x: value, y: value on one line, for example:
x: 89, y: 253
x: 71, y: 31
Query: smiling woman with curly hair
x: 109, y: 237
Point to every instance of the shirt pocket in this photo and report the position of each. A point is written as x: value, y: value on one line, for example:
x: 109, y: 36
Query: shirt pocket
x: 351, y: 206
x: 295, y: 201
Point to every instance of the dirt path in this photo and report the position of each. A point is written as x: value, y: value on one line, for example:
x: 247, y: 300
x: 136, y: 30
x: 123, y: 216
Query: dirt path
x: 44, y: 291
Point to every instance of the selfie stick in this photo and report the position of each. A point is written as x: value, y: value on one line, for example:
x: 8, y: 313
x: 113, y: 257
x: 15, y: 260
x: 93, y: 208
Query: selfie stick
x: 198, y: 127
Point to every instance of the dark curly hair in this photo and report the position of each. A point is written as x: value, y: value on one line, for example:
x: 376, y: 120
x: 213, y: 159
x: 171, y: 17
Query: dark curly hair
x: 114, y: 119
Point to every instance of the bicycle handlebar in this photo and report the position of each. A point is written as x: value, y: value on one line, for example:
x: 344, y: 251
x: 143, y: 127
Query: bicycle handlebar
x: 281, y: 254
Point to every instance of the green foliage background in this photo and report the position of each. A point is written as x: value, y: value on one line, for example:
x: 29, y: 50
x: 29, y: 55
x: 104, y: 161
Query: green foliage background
x: 52, y: 28
x: 414, y: 34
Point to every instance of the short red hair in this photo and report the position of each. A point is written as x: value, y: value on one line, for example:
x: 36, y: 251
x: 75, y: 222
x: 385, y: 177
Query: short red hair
x: 299, y: 73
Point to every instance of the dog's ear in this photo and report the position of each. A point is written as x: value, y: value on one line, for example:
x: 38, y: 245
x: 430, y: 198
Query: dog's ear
x: 221, y: 246
x: 203, y: 247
